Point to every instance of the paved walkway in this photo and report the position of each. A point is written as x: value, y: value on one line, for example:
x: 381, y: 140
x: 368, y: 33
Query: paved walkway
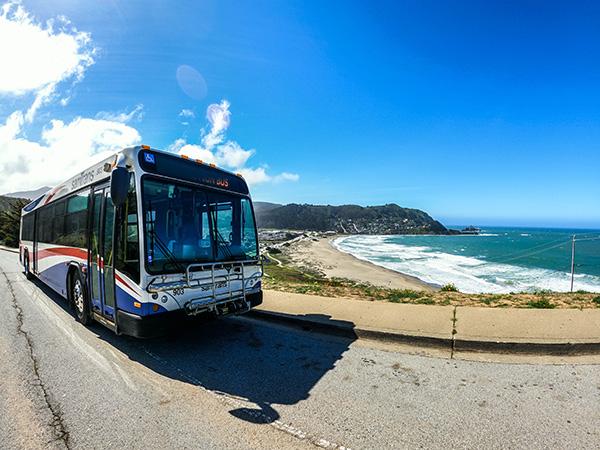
x: 462, y: 327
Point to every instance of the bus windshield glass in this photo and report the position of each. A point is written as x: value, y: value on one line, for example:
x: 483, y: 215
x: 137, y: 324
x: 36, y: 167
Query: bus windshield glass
x: 185, y: 225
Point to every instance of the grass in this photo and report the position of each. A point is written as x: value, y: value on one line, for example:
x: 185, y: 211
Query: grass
x: 396, y: 295
x: 450, y: 287
x: 542, y: 292
x: 542, y: 303
x: 492, y: 298
x: 288, y: 277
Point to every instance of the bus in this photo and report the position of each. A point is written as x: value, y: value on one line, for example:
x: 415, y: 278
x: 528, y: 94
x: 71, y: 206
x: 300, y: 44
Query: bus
x: 144, y: 239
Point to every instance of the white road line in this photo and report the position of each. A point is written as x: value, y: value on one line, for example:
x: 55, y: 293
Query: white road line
x: 233, y: 402
x: 105, y: 365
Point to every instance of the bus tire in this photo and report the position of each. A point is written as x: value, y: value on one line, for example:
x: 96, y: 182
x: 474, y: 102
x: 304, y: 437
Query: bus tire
x: 26, y: 267
x: 81, y: 302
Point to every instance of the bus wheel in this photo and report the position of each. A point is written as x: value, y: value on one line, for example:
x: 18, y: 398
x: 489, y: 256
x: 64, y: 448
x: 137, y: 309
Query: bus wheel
x: 80, y: 301
x: 26, y: 267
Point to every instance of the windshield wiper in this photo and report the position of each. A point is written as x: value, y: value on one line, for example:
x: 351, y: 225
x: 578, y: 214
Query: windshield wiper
x: 161, y: 245
x: 220, y: 239
x: 165, y: 251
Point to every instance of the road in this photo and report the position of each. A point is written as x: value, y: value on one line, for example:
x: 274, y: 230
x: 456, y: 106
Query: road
x: 242, y: 383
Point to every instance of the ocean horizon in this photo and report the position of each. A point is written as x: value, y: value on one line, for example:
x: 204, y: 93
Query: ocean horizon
x: 500, y: 259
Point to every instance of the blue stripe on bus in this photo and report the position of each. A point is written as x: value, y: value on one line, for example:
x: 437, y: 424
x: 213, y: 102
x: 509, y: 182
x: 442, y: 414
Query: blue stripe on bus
x: 56, y: 277
x: 125, y: 303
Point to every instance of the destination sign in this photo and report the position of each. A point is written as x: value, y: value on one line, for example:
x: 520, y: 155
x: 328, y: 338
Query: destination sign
x: 174, y: 166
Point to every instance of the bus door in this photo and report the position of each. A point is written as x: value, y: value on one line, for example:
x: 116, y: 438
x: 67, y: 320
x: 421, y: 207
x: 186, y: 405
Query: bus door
x: 101, y: 258
x: 33, y: 257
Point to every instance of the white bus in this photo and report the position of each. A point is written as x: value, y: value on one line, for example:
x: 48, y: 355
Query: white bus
x: 143, y: 239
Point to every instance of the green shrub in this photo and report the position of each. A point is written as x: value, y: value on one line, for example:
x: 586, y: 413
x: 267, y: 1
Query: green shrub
x: 450, y: 287
x: 540, y: 292
x: 397, y: 295
x: 542, y: 303
x: 596, y: 300
x: 491, y: 298
x: 10, y: 222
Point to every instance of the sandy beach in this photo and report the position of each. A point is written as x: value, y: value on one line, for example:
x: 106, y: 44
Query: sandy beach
x: 318, y: 253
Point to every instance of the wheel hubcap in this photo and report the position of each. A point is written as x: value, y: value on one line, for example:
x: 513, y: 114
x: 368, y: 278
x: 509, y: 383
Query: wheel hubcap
x: 78, y: 296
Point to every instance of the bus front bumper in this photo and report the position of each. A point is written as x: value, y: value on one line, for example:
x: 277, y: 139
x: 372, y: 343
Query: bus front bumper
x: 163, y: 323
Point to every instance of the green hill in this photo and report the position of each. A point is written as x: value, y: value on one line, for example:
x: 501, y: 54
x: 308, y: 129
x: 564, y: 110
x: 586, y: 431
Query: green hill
x: 10, y: 219
x: 354, y: 219
x: 6, y: 202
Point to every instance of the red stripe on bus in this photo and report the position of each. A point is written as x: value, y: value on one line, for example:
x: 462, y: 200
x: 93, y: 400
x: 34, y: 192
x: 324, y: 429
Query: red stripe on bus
x: 120, y: 279
x: 62, y: 251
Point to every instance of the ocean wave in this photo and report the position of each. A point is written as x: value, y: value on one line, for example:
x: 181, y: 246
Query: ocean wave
x: 469, y: 274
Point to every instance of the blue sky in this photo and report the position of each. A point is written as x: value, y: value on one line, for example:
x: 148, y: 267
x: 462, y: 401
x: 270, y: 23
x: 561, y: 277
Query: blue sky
x: 476, y: 112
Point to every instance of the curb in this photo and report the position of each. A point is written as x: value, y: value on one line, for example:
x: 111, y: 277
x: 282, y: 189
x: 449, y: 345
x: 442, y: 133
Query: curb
x: 9, y: 249
x: 348, y: 330
x: 529, y: 348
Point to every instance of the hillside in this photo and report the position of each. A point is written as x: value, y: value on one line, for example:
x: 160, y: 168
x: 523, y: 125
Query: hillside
x: 6, y: 201
x: 31, y: 195
x: 386, y: 219
x: 263, y: 207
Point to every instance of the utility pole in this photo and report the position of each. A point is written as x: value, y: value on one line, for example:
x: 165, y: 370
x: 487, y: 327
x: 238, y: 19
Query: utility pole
x: 572, y: 261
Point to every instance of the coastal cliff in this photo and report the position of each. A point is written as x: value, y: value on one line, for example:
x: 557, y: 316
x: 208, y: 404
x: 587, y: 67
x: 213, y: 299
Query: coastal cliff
x: 352, y: 219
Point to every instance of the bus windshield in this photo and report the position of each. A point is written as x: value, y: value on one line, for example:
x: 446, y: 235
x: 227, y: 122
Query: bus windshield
x: 185, y: 225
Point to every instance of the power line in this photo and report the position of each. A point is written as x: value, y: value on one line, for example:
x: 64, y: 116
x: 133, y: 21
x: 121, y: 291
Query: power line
x: 530, y: 251
x: 574, y: 239
x: 587, y: 239
x: 535, y: 253
x: 540, y: 248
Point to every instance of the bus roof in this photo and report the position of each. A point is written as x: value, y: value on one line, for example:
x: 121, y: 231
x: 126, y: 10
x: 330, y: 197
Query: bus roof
x: 143, y: 159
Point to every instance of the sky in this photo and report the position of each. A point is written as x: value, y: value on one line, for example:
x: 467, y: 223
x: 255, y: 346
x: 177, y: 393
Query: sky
x: 484, y: 113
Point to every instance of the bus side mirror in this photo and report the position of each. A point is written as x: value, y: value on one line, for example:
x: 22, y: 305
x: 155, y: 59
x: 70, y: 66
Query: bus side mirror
x: 119, y: 185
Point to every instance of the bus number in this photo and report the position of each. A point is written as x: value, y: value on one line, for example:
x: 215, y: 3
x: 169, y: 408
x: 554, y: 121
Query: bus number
x: 178, y: 291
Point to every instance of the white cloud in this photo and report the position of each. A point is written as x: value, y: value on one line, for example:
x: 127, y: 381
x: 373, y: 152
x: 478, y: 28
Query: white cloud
x: 215, y: 148
x: 187, y: 113
x: 286, y: 176
x: 176, y: 145
x: 137, y: 113
x: 260, y: 175
x: 255, y: 176
x: 197, y: 152
x: 230, y: 154
x: 64, y: 149
x: 46, y: 54
x: 36, y: 60
x: 218, y: 115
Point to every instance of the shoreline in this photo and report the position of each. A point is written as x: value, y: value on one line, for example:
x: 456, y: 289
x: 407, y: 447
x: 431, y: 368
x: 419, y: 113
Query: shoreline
x: 428, y: 287
x: 319, y: 253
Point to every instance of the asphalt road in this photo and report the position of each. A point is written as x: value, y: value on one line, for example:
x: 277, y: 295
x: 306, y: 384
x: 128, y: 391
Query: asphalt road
x: 241, y: 383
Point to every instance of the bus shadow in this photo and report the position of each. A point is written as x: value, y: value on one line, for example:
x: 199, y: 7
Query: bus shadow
x: 260, y: 365
x: 55, y: 297
x: 256, y: 364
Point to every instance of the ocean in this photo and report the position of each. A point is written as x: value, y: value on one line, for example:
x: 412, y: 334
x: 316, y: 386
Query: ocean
x: 498, y: 260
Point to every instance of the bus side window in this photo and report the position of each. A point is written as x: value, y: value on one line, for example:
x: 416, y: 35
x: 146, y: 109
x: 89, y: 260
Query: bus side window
x: 249, y: 244
x: 27, y: 230
x: 45, y: 224
x: 58, y: 221
x: 76, y: 220
x: 127, y: 236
